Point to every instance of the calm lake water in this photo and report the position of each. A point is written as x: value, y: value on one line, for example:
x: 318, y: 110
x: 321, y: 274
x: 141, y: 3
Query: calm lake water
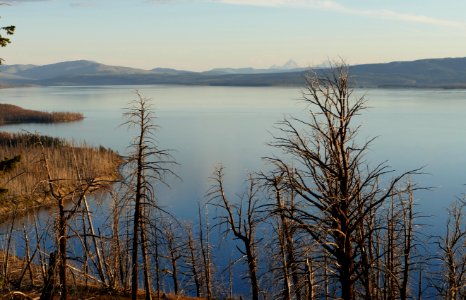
x: 206, y: 126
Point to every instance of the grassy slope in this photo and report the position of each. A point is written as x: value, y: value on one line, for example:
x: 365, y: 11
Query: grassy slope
x: 27, y: 182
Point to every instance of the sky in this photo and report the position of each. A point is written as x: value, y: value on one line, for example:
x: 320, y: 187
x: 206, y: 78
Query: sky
x: 204, y: 34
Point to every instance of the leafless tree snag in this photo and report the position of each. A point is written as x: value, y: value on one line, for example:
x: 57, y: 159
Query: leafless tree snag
x: 192, y: 258
x: 63, y: 192
x: 451, y: 284
x: 324, y: 166
x: 146, y: 165
x: 204, y: 241
x: 241, y: 220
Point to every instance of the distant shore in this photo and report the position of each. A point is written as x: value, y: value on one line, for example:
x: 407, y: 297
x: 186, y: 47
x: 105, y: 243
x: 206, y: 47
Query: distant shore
x: 436, y: 73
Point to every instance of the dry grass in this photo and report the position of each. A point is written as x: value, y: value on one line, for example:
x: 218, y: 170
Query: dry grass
x: 14, y: 114
x: 26, y: 184
x: 77, y: 290
x: 90, y: 295
x: 16, y: 266
x: 28, y: 189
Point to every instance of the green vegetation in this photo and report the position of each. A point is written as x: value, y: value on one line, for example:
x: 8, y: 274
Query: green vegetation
x: 5, y: 40
x: 14, y: 114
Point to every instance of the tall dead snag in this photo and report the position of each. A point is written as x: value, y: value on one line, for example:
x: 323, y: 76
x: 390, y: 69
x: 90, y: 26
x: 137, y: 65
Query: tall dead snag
x: 324, y: 166
x: 63, y: 192
x: 192, y: 259
x: 407, y: 243
x: 285, y: 230
x: 451, y: 282
x: 388, y: 243
x: 401, y: 243
x: 145, y: 166
x: 241, y: 219
x: 6, y: 252
x: 174, y: 248
x: 204, y: 241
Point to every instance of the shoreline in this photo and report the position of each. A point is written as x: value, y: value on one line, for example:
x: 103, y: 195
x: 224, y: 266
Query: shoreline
x: 28, y: 181
x: 13, y: 114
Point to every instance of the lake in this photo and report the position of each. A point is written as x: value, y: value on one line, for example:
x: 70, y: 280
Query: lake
x: 208, y: 126
x: 203, y: 126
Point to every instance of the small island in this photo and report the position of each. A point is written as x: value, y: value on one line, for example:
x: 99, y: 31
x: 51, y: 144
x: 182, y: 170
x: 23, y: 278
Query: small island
x: 12, y: 114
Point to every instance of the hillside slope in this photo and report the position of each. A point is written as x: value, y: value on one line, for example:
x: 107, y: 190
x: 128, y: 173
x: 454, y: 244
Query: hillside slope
x: 425, y: 73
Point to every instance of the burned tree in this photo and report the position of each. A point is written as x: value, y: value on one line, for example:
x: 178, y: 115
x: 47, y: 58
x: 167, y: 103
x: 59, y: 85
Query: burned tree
x: 146, y: 165
x: 206, y: 252
x: 287, y: 253
x: 324, y: 166
x: 62, y: 193
x: 242, y: 220
x: 450, y: 283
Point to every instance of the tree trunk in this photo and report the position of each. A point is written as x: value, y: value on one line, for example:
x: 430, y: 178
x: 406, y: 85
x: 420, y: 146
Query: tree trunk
x: 145, y: 261
x: 205, y: 250
x: 252, y: 265
x: 345, y: 268
x: 408, y: 231
x: 137, y: 214
x: 192, y: 258
x: 174, y: 272
x: 310, y: 279
x: 49, y: 280
x: 62, y: 239
x: 100, y: 268
x: 286, y: 276
x: 134, y: 255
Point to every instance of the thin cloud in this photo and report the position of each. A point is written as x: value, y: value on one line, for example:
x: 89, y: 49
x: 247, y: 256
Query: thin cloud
x: 72, y: 3
x: 22, y: 1
x: 310, y: 3
x: 83, y: 4
x: 392, y: 15
x: 334, y: 6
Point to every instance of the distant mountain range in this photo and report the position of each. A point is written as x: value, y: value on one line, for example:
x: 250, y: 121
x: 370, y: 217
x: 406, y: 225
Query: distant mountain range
x: 425, y: 73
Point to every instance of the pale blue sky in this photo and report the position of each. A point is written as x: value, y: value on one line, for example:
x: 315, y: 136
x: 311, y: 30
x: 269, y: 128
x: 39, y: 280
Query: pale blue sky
x: 203, y: 34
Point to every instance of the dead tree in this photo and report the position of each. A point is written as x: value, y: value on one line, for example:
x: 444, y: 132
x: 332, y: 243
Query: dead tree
x: 324, y: 165
x: 173, y: 248
x: 47, y: 289
x: 242, y: 220
x: 281, y: 197
x: 401, y: 243
x: 146, y: 165
x: 452, y: 279
x: 204, y: 241
x: 7, y: 252
x: 61, y: 192
x: 388, y: 242
x: 192, y: 259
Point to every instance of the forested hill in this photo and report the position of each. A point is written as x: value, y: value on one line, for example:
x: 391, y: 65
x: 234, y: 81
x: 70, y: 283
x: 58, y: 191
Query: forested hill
x: 444, y: 73
x: 426, y: 73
